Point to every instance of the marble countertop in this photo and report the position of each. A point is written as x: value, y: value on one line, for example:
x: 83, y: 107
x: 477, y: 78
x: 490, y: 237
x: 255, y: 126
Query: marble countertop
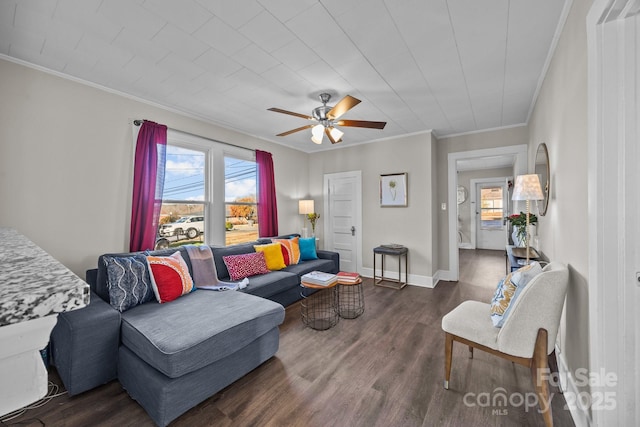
x: 32, y: 283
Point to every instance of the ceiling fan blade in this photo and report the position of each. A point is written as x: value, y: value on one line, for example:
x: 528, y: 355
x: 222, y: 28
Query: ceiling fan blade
x: 289, y: 132
x: 327, y: 131
x: 361, y: 124
x: 345, y: 104
x: 291, y: 113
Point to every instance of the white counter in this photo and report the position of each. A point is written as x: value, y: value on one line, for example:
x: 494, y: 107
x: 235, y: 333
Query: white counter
x: 34, y: 288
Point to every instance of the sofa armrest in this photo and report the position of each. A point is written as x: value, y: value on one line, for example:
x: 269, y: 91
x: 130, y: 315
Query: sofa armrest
x: 334, y: 256
x: 84, y: 345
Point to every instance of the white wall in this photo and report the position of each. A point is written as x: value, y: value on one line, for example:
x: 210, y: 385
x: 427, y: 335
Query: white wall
x: 560, y: 120
x: 66, y: 156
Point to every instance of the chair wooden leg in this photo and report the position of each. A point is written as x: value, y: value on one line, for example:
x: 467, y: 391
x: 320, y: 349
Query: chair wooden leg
x: 540, y: 372
x: 448, y: 352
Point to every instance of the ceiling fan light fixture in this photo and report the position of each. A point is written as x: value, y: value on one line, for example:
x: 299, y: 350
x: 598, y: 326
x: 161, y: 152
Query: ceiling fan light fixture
x: 336, y: 134
x: 317, y: 133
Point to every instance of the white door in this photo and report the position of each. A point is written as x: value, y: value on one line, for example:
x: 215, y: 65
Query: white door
x: 342, y: 217
x: 490, y: 201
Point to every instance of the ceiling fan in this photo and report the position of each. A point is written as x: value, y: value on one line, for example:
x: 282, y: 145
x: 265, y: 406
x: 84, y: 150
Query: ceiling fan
x: 327, y: 118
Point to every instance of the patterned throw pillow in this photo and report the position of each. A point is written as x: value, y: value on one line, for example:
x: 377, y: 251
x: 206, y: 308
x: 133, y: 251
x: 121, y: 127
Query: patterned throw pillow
x: 272, y: 255
x: 290, y: 249
x: 308, y: 249
x: 245, y: 265
x: 509, y: 289
x: 170, y: 277
x: 128, y: 281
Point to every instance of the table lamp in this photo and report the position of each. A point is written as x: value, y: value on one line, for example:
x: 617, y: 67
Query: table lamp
x: 527, y: 187
x: 305, y: 207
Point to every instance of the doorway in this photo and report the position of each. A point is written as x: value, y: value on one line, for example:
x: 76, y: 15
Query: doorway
x: 343, y: 217
x: 488, y: 208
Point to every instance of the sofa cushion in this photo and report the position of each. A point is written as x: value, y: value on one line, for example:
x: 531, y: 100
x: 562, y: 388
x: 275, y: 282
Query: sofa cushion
x: 197, y: 329
x: 221, y: 251
x: 272, y: 255
x: 291, y: 247
x: 266, y: 285
x: 170, y: 277
x: 128, y: 281
x: 307, y: 248
x: 325, y: 265
x: 245, y: 265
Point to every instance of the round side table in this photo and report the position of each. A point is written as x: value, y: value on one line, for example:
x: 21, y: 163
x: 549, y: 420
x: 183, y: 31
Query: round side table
x: 319, y: 309
x: 350, y: 299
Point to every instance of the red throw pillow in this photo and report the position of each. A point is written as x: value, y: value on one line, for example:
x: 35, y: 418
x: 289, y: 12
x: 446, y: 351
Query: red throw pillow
x: 169, y: 277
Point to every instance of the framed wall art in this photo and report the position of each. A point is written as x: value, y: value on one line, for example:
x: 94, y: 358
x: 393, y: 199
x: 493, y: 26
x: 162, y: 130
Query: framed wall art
x: 393, y: 190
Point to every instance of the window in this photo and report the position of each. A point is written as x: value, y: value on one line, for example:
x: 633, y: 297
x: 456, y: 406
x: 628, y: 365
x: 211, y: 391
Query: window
x: 204, y: 182
x: 241, y: 208
x: 491, y: 208
x: 184, y: 202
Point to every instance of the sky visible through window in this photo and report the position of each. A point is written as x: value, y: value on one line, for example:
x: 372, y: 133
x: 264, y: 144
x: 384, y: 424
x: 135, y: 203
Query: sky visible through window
x: 185, y: 176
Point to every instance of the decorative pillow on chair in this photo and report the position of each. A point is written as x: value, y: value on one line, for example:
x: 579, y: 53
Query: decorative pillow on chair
x: 272, y: 255
x: 290, y: 249
x: 308, y: 248
x: 508, y: 291
x: 170, y: 277
x: 245, y: 265
x: 128, y: 281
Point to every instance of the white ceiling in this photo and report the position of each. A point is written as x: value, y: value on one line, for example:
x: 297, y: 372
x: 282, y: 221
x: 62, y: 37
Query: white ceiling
x: 451, y: 66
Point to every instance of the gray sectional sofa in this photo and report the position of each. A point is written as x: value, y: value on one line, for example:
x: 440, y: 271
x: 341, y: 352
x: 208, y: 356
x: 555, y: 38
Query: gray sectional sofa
x: 170, y: 357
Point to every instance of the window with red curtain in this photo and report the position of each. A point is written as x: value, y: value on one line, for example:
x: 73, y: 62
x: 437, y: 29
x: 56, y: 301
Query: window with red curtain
x: 148, y: 183
x: 267, y: 205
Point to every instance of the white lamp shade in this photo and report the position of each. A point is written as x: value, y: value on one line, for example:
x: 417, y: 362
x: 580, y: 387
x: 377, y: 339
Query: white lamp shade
x: 336, y: 134
x: 317, y: 133
x: 527, y: 187
x: 305, y: 207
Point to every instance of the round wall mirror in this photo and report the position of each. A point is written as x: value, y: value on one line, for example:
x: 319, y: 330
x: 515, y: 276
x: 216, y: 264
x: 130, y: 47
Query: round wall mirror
x: 542, y: 170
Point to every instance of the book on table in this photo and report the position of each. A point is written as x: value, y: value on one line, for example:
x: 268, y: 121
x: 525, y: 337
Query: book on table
x: 319, y: 278
x: 348, y: 277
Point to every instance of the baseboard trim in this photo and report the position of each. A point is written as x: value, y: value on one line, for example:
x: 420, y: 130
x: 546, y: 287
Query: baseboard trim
x: 466, y: 246
x: 412, y: 279
x: 580, y: 416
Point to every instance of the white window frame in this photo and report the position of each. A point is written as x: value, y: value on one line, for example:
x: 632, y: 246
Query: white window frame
x: 215, y: 152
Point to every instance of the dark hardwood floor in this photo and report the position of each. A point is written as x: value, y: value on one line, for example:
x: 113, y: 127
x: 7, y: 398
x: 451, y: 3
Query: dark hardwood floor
x: 385, y: 368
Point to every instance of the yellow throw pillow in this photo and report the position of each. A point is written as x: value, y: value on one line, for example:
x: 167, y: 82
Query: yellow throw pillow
x: 272, y: 255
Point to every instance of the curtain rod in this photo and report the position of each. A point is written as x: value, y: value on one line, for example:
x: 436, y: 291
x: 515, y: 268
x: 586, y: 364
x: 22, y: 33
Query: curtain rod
x: 138, y: 122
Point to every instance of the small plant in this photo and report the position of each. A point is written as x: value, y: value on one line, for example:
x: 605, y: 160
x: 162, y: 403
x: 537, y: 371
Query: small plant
x: 313, y: 217
x: 228, y: 226
x: 519, y: 222
x: 392, y: 189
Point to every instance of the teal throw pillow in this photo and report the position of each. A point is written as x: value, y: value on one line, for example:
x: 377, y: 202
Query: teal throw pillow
x: 308, y: 249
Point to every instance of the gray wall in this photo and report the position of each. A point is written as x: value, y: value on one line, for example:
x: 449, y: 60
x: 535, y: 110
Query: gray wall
x: 66, y: 161
x: 411, y: 226
x: 477, y: 141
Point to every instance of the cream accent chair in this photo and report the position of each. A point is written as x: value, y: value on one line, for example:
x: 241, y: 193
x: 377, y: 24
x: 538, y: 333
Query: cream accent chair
x: 528, y: 335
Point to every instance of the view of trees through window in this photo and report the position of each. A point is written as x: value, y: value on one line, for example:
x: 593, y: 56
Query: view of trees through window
x: 241, y: 208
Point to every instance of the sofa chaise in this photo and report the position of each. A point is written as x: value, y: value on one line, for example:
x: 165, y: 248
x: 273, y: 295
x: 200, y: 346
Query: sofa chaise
x: 169, y: 357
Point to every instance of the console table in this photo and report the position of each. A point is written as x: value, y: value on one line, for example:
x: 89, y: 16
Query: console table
x: 34, y: 288
x: 385, y: 281
x: 512, y: 263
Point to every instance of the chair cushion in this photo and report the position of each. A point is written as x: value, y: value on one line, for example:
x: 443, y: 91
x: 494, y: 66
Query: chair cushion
x: 469, y: 320
x: 197, y: 329
x: 508, y: 291
x: 266, y: 285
